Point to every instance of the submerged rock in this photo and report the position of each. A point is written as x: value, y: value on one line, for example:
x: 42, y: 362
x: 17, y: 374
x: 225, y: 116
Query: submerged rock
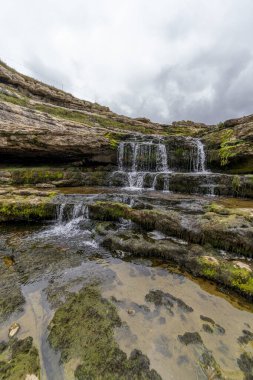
x: 14, y: 329
x: 245, y: 363
x: 21, y: 360
x: 241, y: 265
x: 246, y: 337
x: 190, y: 338
x: 83, y: 328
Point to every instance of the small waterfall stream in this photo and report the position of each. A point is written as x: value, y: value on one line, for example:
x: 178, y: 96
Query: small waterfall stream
x: 199, y: 164
x: 71, y: 220
x: 139, y: 160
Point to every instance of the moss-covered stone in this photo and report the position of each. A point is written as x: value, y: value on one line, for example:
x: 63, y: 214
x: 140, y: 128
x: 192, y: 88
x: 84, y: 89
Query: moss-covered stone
x: 159, y: 298
x: 190, y: 338
x: 212, y: 228
x: 33, y: 176
x: 19, y: 359
x: 11, y: 297
x: 191, y: 258
x: 83, y: 328
x: 245, y: 363
x: 27, y: 205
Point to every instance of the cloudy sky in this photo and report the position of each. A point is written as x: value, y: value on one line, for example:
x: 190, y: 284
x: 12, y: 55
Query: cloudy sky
x: 165, y: 59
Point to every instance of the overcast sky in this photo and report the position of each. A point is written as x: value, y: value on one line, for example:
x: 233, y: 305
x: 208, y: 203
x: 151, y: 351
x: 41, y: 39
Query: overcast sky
x: 164, y: 59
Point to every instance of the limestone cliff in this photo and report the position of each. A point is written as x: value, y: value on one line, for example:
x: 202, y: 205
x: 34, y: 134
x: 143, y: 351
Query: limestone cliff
x: 41, y: 123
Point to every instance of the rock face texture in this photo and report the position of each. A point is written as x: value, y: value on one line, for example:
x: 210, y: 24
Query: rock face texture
x: 41, y: 123
x: 26, y: 133
x: 230, y: 146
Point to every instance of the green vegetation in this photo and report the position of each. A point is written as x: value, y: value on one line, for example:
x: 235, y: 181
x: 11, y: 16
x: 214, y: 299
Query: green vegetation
x: 15, y: 100
x: 25, y: 211
x: 18, y: 359
x: 113, y: 139
x: 89, y: 120
x: 27, y: 206
x: 228, y: 146
x: 64, y: 113
x: 222, y: 220
x: 236, y: 183
x: 239, y: 279
x: 11, y: 297
x: 83, y: 329
x: 35, y: 175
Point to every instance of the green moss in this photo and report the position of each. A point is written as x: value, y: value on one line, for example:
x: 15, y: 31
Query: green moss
x: 34, y: 176
x: 179, y: 152
x: 228, y: 147
x: 207, y: 269
x: 113, y: 139
x: 236, y: 183
x: 83, y: 329
x: 21, y: 359
x: 25, y: 210
x: 64, y: 113
x: 14, y: 100
x: 239, y: 279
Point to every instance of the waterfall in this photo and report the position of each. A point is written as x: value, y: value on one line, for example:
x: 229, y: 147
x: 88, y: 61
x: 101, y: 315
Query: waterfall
x: 144, y: 164
x: 137, y: 159
x: 200, y: 159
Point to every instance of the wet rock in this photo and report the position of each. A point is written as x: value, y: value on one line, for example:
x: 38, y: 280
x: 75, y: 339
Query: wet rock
x: 210, y: 366
x: 131, y: 312
x: 27, y: 205
x: 45, y: 186
x: 211, y: 260
x: 9, y: 261
x: 163, y: 346
x: 207, y: 328
x: 159, y: 298
x: 83, y: 328
x: 245, y: 363
x: 183, y: 306
x: 190, y: 338
x: 162, y: 320
x: 23, y: 359
x: 219, y: 329
x: 14, y: 329
x: 31, y: 377
x: 11, y: 297
x: 207, y: 319
x: 241, y: 265
x: 246, y: 337
x: 182, y: 359
x: 3, y: 346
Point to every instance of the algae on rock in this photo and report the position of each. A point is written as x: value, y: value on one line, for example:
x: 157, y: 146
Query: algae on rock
x: 83, y: 328
x: 18, y: 359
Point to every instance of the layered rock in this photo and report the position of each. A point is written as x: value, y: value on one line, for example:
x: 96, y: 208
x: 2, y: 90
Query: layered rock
x: 26, y: 133
x: 70, y: 129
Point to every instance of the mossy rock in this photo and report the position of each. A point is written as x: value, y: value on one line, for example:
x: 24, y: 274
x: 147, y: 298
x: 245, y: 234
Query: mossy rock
x: 83, y: 328
x: 20, y: 358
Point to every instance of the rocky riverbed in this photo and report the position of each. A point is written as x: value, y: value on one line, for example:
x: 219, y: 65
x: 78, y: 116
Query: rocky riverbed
x: 126, y: 246
x: 100, y: 289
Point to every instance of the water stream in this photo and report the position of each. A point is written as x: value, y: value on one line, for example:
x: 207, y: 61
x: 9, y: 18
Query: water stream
x: 141, y: 160
x: 56, y: 259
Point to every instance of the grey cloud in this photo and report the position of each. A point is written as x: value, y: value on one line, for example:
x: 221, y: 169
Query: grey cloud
x: 168, y: 60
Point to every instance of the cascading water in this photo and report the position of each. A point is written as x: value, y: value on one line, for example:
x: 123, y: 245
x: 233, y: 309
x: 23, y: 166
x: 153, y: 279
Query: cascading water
x: 137, y: 159
x: 144, y: 164
x: 71, y: 221
x: 199, y: 162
